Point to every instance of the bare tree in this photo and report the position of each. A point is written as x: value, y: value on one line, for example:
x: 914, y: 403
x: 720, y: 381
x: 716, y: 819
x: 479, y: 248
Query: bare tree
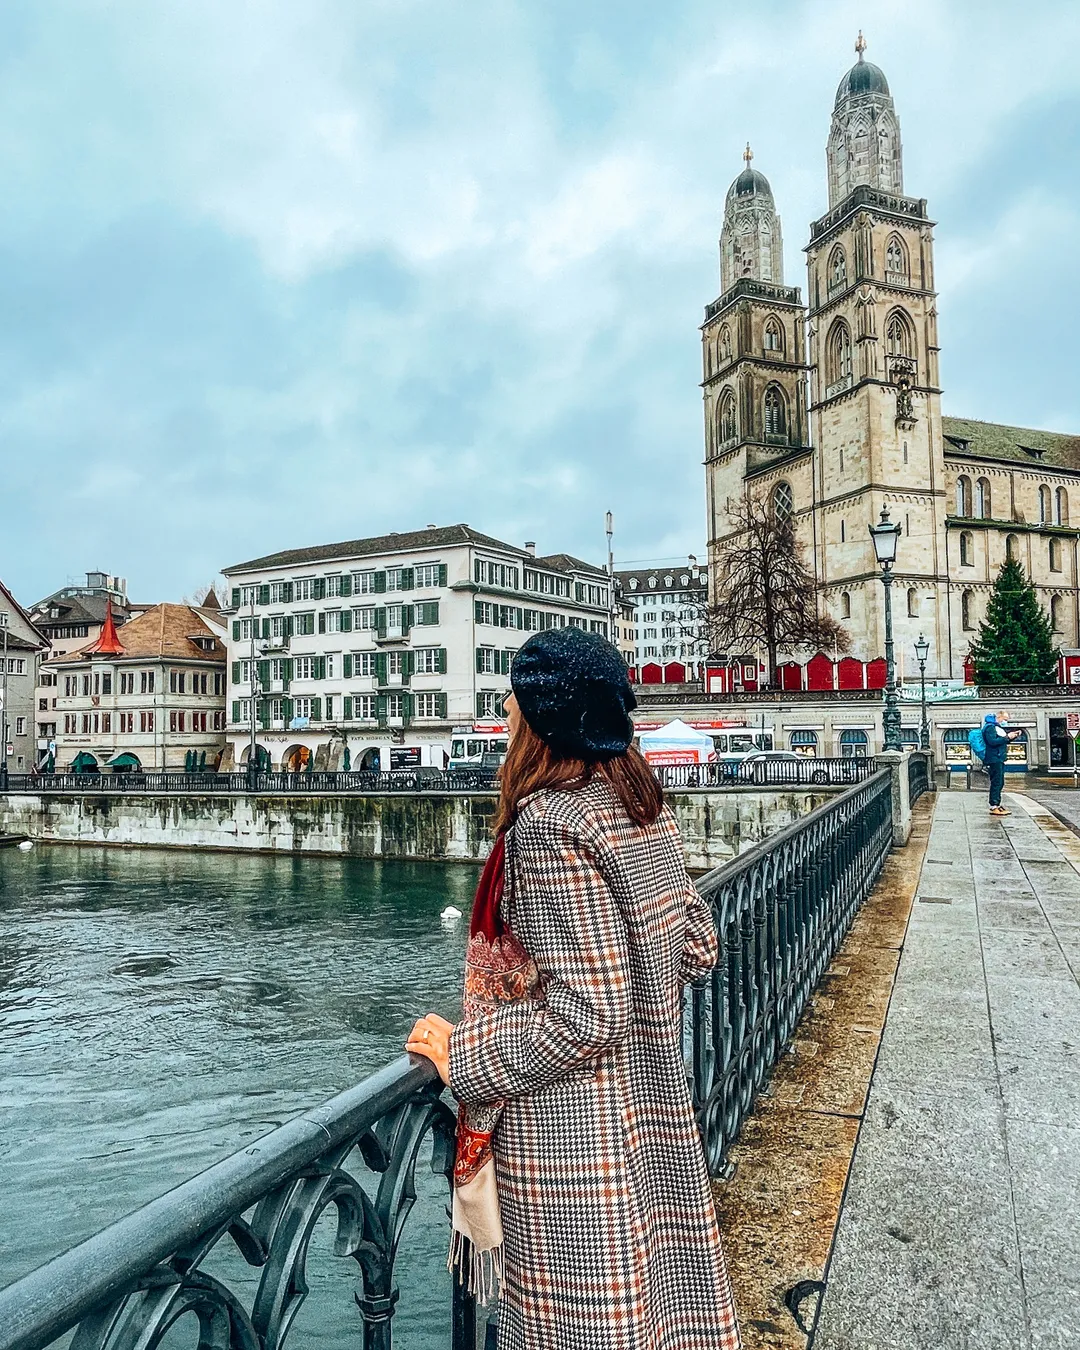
x: 765, y: 596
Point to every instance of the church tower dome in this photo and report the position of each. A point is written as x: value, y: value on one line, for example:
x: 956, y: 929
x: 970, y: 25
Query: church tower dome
x: 751, y: 244
x: 864, y: 140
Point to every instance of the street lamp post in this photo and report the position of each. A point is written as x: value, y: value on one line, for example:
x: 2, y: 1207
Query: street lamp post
x: 885, y: 535
x: 613, y: 604
x: 922, y: 651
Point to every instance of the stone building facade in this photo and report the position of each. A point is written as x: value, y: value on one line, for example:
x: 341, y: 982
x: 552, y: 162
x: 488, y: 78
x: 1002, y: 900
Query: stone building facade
x: 831, y: 407
x: 21, y: 647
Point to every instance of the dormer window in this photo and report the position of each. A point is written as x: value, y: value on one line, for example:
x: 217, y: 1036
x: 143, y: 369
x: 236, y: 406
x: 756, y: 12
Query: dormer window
x: 1034, y: 451
x: 633, y: 583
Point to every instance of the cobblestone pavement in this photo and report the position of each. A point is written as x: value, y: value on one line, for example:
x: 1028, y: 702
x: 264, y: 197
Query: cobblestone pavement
x: 960, y: 1227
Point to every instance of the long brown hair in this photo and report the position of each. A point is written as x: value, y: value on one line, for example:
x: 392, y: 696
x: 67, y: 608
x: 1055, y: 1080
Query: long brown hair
x: 531, y: 764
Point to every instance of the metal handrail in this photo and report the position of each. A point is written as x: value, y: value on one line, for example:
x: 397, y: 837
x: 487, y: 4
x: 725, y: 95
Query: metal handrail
x: 781, y: 910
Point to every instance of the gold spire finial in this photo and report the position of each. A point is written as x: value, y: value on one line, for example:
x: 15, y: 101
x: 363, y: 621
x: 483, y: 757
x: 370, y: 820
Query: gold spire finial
x: 860, y: 44
x: 748, y: 154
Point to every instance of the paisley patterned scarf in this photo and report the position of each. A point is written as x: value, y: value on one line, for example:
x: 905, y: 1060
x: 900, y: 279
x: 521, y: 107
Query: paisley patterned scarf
x: 498, y: 972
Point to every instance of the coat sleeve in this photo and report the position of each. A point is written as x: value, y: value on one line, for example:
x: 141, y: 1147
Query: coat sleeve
x: 701, y: 948
x: 567, y: 919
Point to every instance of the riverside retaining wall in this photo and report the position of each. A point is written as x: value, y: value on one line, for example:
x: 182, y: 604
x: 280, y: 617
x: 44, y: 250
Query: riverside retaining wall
x: 716, y: 825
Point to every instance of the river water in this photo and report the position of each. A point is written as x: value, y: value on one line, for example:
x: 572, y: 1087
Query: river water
x: 159, y: 1010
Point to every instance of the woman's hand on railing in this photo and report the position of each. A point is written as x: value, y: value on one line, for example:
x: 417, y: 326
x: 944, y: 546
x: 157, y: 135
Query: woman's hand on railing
x: 430, y: 1037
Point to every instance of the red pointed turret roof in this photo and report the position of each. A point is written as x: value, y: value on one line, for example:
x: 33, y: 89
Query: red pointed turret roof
x: 108, y: 641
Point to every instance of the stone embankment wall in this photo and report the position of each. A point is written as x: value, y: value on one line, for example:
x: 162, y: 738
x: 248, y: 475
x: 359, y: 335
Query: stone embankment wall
x: 716, y: 825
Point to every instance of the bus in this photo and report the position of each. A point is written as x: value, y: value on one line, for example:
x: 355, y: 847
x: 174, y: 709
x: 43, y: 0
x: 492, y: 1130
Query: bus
x: 482, y: 745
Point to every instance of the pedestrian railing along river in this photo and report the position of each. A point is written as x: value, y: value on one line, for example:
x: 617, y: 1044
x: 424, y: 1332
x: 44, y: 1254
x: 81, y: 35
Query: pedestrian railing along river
x: 781, y: 909
x: 751, y: 773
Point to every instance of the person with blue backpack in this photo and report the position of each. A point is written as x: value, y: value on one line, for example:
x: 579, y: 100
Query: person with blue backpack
x: 990, y: 743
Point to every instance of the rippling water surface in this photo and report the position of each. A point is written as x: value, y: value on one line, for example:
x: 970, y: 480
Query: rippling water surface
x: 160, y: 1010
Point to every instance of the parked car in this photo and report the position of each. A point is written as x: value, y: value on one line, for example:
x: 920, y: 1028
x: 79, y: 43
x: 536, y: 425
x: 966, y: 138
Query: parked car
x: 796, y: 768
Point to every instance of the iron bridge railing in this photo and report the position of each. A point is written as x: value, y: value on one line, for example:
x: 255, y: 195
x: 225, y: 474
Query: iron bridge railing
x: 918, y: 770
x: 764, y: 773
x: 781, y: 910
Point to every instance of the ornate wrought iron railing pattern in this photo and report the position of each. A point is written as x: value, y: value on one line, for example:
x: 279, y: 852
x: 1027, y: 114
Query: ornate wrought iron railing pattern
x: 781, y: 909
x: 918, y: 769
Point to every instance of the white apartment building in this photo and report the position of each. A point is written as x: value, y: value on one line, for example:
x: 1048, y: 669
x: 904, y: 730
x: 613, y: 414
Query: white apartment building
x: 670, y: 606
x: 371, y: 653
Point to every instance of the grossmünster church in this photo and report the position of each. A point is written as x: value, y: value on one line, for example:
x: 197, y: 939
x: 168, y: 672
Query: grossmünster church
x: 831, y: 407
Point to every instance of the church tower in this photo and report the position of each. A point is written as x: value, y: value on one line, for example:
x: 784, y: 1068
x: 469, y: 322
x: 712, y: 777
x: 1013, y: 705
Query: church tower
x: 754, y: 364
x: 875, y: 404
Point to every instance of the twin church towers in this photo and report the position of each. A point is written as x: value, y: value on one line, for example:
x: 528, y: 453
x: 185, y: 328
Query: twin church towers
x: 832, y: 407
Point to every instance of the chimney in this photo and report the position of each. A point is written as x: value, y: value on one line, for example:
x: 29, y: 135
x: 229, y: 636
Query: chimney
x: 530, y: 547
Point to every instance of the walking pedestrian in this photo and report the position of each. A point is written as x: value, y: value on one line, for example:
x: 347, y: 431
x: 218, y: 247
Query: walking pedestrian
x: 580, y: 1178
x: 997, y: 735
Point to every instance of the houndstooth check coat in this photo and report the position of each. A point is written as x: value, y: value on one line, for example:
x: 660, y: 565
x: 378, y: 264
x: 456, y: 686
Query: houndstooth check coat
x: 611, y: 1240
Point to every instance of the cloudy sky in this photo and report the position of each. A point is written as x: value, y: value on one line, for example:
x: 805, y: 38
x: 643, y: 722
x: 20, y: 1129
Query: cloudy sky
x: 277, y: 272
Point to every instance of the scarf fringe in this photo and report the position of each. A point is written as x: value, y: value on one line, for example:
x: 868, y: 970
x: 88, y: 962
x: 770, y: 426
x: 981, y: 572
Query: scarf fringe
x: 481, y: 1272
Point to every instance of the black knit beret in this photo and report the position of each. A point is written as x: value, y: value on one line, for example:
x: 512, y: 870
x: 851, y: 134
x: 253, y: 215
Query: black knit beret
x: 573, y: 689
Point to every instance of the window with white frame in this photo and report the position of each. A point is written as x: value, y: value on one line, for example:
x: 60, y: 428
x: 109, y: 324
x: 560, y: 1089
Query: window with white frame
x: 394, y: 577
x: 301, y: 707
x: 489, y: 703
x: 395, y: 616
x: 304, y: 624
x: 277, y: 626
x: 363, y: 583
x: 426, y: 575
x: 395, y: 663
x: 363, y: 663
x: 329, y: 659
x: 364, y: 706
x: 248, y: 594
x: 246, y: 629
x: 277, y: 668
x: 277, y: 592
x: 486, y: 612
x: 487, y: 661
x: 427, y: 660
x: 333, y: 585
x: 427, y: 705
x: 364, y: 618
x: 395, y: 705
x: 333, y: 620
x: 304, y: 588
x: 244, y: 710
x: 304, y: 668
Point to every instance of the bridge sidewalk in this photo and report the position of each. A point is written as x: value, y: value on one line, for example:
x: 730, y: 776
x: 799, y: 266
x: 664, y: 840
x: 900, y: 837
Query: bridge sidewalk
x: 959, y: 1227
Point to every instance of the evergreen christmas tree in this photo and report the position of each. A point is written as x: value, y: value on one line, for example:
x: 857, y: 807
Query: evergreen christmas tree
x: 1015, y: 643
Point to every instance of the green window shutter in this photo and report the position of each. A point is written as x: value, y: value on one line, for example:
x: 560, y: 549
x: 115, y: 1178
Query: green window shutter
x: 380, y: 621
x: 380, y: 709
x: 408, y: 578
x: 407, y: 708
x: 316, y: 709
x: 440, y: 660
x: 287, y: 592
x: 346, y: 585
x: 236, y: 672
x: 380, y: 582
x: 346, y: 666
x: 478, y: 611
x: 346, y: 620
x: 287, y: 670
x: 320, y: 668
x: 290, y: 624
x: 236, y: 710
x: 479, y: 705
x: 440, y: 705
x: 431, y: 612
x: 346, y: 714
x: 236, y: 630
x: 318, y: 588
x: 380, y: 668
x: 264, y: 713
x: 266, y: 628
x: 408, y: 666
x: 408, y: 617
x: 579, y: 592
x: 236, y: 597
x: 504, y: 663
x: 264, y: 595
x: 442, y: 574
x: 479, y: 661
x: 322, y: 623
x: 287, y: 713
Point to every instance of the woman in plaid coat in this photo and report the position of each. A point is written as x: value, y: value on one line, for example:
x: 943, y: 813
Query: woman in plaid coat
x: 576, y: 1075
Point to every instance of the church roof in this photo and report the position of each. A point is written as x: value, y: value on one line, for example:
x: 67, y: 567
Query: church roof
x: 863, y: 78
x: 1024, y: 445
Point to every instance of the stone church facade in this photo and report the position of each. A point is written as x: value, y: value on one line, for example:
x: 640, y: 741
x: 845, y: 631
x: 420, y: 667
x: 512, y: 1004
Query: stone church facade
x: 832, y: 408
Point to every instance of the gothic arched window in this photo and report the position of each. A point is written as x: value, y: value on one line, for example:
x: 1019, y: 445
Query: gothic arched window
x: 898, y: 335
x: 982, y: 499
x: 967, y: 610
x: 723, y: 343
x: 774, y: 336
x: 783, y: 500
x: 967, y: 549
x: 838, y: 353
x: 837, y: 268
x: 1012, y: 548
x: 896, y: 261
x: 913, y: 604
x: 1057, y: 613
x: 1055, y: 555
x: 1044, y: 506
x: 1061, y: 506
x: 963, y: 495
x: 726, y: 419
x: 775, y: 411
x: 845, y: 605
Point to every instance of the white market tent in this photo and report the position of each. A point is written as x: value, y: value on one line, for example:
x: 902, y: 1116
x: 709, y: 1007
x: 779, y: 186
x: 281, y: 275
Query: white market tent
x: 676, y: 743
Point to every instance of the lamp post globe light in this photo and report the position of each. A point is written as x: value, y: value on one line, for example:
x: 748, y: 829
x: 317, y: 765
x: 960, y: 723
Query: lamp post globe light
x: 922, y: 651
x: 885, y: 535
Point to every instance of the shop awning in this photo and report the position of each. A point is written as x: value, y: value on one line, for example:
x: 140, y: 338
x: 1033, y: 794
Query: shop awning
x: 125, y: 761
